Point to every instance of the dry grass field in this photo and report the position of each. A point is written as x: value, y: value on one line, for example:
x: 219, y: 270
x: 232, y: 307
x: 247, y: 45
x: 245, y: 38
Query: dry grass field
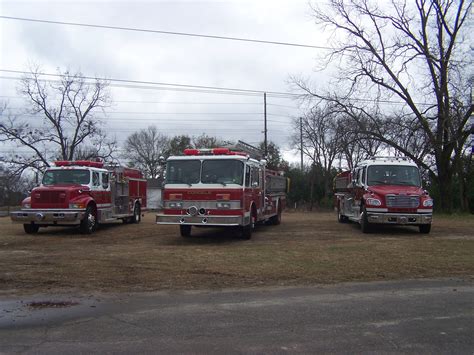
x: 306, y: 249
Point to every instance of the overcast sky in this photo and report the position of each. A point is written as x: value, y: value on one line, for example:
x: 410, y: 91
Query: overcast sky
x: 172, y: 59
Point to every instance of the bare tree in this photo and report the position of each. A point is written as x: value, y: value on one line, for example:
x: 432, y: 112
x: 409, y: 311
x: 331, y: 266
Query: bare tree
x: 274, y: 158
x: 178, y: 144
x: 355, y: 146
x: 58, y: 123
x: 413, y: 52
x: 13, y: 187
x: 321, y: 140
x: 145, y: 150
x: 205, y: 141
x: 101, y: 148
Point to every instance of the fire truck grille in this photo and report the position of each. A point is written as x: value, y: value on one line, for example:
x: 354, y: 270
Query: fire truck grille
x: 52, y: 196
x: 402, y: 201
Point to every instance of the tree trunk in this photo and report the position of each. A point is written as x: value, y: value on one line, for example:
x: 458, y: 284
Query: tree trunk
x: 311, y: 191
x: 464, y: 171
x: 445, y: 190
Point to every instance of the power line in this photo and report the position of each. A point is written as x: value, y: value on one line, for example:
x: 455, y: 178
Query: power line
x: 151, y: 119
x: 172, y: 113
x: 154, y: 83
x: 166, y: 102
x: 198, y: 88
x: 287, y: 106
x: 107, y: 113
x: 189, y: 34
x: 228, y: 130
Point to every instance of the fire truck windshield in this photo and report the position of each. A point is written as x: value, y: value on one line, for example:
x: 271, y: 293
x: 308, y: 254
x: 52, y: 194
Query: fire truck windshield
x: 222, y: 172
x: 183, y: 171
x: 76, y: 176
x: 393, y: 175
x: 208, y: 172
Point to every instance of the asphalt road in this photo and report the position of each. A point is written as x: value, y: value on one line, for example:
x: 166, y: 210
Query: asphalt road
x: 415, y: 316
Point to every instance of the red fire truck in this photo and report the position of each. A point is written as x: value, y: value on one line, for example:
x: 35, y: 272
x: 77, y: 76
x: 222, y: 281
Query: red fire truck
x: 84, y: 194
x: 383, y: 190
x: 221, y: 187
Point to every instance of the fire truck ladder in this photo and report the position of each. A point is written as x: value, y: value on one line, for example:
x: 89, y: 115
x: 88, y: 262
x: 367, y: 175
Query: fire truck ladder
x: 252, y: 151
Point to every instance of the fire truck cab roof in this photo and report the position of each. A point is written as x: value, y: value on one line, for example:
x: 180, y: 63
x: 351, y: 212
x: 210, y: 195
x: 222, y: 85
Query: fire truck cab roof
x: 215, y: 154
x: 80, y: 164
x: 211, y: 157
x: 387, y: 161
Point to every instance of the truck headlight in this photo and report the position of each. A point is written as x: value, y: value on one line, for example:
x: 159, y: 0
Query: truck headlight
x: 373, y: 202
x: 27, y: 205
x: 223, y: 205
x: 176, y: 205
x: 76, y: 206
x: 428, y: 203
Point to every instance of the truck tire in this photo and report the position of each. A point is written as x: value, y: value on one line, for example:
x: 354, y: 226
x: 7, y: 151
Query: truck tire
x: 31, y: 228
x: 276, y: 220
x: 137, y: 214
x: 340, y: 217
x: 425, y: 228
x: 185, y: 231
x: 365, y: 226
x: 89, y: 223
x: 246, y: 231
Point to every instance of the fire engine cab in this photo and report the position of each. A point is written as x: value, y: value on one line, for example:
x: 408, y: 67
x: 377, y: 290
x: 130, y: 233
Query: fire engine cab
x: 383, y: 190
x: 83, y: 193
x: 221, y: 187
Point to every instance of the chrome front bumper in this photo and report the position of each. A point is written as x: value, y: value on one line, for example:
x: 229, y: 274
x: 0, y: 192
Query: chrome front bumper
x: 228, y: 221
x: 399, y: 218
x: 48, y: 217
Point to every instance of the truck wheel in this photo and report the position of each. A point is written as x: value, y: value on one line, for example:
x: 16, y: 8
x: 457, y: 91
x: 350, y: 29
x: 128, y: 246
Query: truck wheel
x: 340, y: 217
x: 276, y: 220
x: 425, y: 228
x: 89, y: 223
x: 31, y: 228
x: 185, y: 231
x: 364, y: 223
x: 137, y: 214
x: 246, y: 231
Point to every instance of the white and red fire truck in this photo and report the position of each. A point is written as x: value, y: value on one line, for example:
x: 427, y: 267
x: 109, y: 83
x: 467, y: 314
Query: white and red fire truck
x: 84, y: 194
x: 221, y: 187
x: 383, y: 190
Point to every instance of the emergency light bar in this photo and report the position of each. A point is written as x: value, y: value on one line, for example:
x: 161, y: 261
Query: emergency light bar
x: 212, y: 151
x: 92, y: 164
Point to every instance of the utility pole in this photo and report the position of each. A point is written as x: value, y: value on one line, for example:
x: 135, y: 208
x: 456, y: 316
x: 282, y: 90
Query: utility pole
x: 265, y: 122
x: 301, y: 141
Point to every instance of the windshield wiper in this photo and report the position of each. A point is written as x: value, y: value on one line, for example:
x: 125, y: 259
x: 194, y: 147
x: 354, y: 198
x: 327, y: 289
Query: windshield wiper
x: 178, y: 182
x: 408, y: 183
x: 381, y: 182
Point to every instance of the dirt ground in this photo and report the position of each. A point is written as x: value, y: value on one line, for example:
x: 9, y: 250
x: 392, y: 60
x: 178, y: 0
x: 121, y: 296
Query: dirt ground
x: 306, y: 249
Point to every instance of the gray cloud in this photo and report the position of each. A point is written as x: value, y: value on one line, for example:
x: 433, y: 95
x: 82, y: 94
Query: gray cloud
x: 174, y: 59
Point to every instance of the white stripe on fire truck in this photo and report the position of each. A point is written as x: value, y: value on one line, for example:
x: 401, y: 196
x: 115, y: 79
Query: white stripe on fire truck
x: 104, y: 205
x: 376, y: 209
